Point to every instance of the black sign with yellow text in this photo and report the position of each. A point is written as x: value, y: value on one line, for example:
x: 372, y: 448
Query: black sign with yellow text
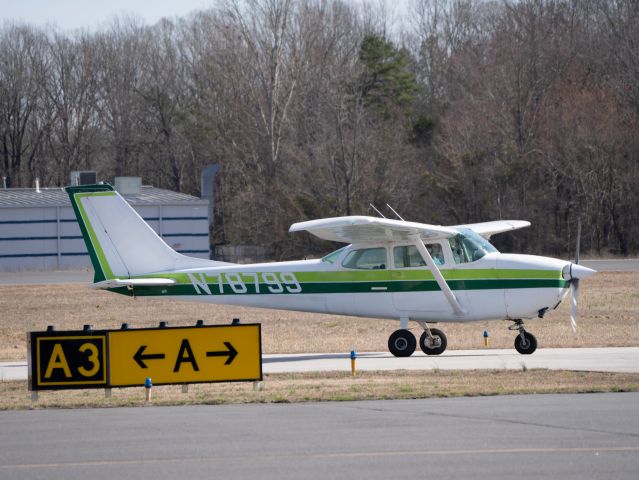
x: 61, y: 360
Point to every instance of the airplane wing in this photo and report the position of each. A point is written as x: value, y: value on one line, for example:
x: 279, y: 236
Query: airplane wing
x: 360, y: 229
x: 488, y: 229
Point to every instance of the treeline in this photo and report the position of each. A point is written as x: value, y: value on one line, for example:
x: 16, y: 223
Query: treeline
x: 462, y: 111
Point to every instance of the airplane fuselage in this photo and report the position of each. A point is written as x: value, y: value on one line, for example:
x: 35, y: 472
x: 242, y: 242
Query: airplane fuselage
x: 497, y: 286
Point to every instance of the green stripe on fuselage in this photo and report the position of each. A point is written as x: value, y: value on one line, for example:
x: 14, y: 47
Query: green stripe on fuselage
x: 352, y: 287
x: 377, y: 275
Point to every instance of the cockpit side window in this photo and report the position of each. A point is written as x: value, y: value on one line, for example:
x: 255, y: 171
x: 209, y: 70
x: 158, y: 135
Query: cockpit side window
x: 366, y: 259
x: 458, y: 250
x: 408, y: 256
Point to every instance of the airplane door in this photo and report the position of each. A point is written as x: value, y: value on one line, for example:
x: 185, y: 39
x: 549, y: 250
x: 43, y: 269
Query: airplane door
x: 415, y: 289
x: 472, y: 289
x: 417, y: 293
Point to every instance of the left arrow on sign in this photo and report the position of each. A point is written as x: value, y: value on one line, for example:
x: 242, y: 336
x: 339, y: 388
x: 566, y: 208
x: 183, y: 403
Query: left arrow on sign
x: 139, y: 356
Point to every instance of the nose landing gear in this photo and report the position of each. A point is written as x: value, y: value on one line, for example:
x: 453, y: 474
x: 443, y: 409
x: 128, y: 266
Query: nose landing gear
x: 525, y: 342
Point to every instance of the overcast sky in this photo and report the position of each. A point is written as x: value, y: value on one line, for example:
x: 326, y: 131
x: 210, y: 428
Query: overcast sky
x: 69, y: 15
x: 91, y: 14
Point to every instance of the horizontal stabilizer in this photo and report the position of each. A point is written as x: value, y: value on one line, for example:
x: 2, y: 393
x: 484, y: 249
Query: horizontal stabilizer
x: 136, y: 282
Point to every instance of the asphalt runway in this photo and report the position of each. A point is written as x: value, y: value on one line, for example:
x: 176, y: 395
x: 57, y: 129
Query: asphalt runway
x: 52, y: 277
x: 613, y: 265
x: 537, y: 436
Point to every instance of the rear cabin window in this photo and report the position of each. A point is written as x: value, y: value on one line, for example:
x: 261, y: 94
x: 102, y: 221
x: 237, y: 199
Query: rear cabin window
x: 366, y: 259
x: 408, y: 256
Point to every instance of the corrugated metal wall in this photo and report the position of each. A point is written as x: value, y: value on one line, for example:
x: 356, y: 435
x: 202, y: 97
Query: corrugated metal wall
x: 49, y: 238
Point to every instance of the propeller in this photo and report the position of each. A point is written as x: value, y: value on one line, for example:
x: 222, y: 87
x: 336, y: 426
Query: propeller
x: 574, y: 272
x: 574, y: 289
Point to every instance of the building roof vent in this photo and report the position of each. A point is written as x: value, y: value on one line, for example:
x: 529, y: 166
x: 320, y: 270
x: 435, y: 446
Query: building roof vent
x: 85, y: 177
x: 128, y: 185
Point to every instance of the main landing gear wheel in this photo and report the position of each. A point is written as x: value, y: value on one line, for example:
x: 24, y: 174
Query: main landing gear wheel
x: 402, y: 343
x: 527, y: 345
x: 434, y: 344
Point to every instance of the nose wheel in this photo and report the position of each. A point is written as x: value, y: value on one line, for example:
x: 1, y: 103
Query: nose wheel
x: 525, y: 342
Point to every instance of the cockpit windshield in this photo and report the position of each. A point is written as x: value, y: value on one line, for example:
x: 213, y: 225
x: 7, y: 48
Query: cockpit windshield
x: 468, y: 246
x: 331, y: 257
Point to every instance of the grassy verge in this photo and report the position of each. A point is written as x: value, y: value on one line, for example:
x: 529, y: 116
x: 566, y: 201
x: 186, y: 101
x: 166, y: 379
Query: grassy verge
x: 334, y: 386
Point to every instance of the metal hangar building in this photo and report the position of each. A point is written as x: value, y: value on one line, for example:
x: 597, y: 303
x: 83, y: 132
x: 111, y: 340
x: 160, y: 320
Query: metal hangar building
x: 38, y: 230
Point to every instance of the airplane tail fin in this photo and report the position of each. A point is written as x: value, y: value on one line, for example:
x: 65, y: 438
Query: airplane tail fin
x: 120, y: 243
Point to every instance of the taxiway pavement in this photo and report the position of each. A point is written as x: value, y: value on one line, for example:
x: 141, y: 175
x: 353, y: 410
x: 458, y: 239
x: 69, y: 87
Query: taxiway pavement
x: 619, y: 359
x: 584, y: 436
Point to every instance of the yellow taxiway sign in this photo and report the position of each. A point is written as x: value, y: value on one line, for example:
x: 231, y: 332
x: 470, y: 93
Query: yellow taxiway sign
x: 217, y: 353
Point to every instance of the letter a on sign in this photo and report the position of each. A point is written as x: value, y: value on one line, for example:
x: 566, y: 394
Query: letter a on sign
x: 58, y: 360
x: 185, y: 355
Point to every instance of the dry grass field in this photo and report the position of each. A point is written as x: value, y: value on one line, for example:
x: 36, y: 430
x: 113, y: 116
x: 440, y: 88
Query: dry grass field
x: 335, y: 386
x: 608, y: 316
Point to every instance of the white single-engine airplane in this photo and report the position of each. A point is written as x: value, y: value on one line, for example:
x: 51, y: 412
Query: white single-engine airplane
x: 389, y: 269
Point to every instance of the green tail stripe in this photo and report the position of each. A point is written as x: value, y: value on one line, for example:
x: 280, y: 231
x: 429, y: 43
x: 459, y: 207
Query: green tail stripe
x: 98, y: 259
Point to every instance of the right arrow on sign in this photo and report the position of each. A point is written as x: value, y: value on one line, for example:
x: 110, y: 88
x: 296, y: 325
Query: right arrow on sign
x: 230, y: 352
x: 139, y: 356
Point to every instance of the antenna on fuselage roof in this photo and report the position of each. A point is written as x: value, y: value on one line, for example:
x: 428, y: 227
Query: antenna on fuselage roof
x: 379, y: 213
x: 396, y: 214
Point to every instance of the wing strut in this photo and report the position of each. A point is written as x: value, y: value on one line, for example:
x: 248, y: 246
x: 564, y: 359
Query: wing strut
x: 448, y: 293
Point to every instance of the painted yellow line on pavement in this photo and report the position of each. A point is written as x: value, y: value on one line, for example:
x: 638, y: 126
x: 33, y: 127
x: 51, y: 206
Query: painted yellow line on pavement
x: 481, y: 451
x: 395, y: 453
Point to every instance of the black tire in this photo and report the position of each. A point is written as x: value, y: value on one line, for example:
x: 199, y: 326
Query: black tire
x: 437, y: 334
x: 402, y: 343
x: 528, y: 346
